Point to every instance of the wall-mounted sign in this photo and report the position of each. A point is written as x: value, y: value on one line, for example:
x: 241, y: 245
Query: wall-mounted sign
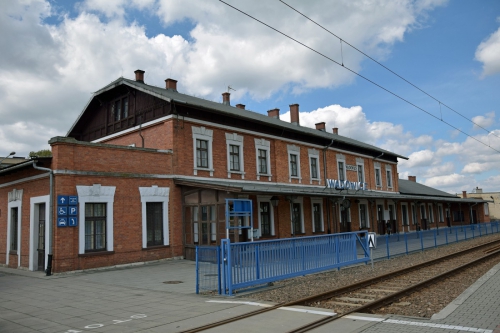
x: 346, y: 185
x: 67, y: 210
x: 351, y: 167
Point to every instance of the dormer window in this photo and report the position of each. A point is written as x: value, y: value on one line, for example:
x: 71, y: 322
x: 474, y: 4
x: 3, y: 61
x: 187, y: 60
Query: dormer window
x: 119, y: 109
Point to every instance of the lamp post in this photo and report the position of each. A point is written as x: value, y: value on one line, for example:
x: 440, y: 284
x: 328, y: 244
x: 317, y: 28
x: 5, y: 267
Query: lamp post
x: 12, y: 153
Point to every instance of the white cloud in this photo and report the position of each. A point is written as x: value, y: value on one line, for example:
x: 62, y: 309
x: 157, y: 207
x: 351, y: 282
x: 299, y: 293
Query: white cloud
x: 484, y: 121
x: 488, y: 52
x: 452, y: 181
x: 420, y: 158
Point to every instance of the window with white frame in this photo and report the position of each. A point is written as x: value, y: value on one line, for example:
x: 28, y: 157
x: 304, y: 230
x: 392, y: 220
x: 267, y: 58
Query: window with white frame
x: 440, y: 213
x: 414, y: 214
x: 314, y: 165
x: 317, y: 215
x: 266, y: 216
x: 297, y: 215
x: 341, y: 167
x: 423, y: 214
x: 388, y: 172
x: 294, y: 162
x: 154, y: 202
x: 263, y: 156
x: 486, y: 208
x: 234, y: 144
x: 361, y: 169
x: 202, y: 148
x: 404, y: 214
x: 431, y: 213
x: 14, y: 219
x: 96, y: 213
x: 364, y: 222
x: 378, y: 175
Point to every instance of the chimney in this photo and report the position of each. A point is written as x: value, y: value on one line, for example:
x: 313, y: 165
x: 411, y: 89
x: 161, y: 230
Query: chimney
x: 225, y: 98
x: 335, y: 130
x: 464, y: 194
x: 479, y: 190
x: 294, y: 114
x: 320, y: 126
x: 412, y: 178
x: 240, y: 106
x: 274, y: 113
x: 139, y: 76
x: 171, y: 84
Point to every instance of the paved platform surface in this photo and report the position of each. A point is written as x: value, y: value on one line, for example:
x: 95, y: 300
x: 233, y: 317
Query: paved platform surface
x: 160, y: 297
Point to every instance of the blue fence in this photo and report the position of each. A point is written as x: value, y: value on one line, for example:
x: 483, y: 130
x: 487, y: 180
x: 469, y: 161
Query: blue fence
x: 404, y: 243
x: 242, y: 265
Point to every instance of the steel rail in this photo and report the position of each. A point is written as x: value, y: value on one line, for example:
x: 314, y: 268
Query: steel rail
x: 341, y: 290
x: 395, y: 296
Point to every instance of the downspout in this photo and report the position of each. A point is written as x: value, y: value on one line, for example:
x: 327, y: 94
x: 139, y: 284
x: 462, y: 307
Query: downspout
x: 48, y: 271
x: 470, y: 207
x: 326, y: 184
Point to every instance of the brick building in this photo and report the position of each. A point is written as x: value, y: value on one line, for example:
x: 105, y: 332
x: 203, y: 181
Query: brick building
x: 144, y: 174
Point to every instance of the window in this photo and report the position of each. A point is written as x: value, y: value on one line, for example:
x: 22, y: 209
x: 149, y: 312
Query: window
x: 234, y: 158
x: 294, y: 162
x: 13, y: 228
x: 361, y: 175
x: 95, y: 232
x: 95, y: 227
x: 431, y: 214
x: 404, y: 214
x: 363, y: 216
x: 293, y: 165
x: 317, y: 215
x: 234, y: 144
x: 154, y: 223
x: 422, y: 211
x: 263, y: 156
x: 201, y: 153
x: 263, y: 161
x: 341, y: 171
x: 265, y: 219
x: 458, y: 216
x: 314, y: 167
x: 378, y: 180
x: 414, y: 214
x: 389, y: 177
x: 486, y: 209
x: 440, y: 213
x: 119, y: 109
x: 296, y: 218
x: 125, y: 108
x: 202, y: 150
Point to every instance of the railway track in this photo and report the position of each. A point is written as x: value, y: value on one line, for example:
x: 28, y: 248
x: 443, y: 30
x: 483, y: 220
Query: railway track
x: 370, y: 294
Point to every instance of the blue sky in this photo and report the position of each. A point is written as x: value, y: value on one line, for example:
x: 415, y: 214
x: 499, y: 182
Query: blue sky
x: 58, y: 52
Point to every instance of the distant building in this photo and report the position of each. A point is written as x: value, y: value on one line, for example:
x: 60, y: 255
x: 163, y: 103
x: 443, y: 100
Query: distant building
x: 8, y: 161
x: 493, y: 198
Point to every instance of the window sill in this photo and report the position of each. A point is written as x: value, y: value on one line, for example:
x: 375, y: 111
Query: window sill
x: 195, y: 171
x: 96, y: 253
x: 230, y: 172
x: 13, y: 252
x: 155, y: 247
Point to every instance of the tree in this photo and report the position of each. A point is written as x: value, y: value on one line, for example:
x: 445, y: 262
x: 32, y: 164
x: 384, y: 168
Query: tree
x: 41, y: 153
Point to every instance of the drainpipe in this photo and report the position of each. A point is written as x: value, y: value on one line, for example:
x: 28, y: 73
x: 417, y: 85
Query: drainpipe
x: 326, y: 184
x: 48, y: 271
x: 470, y: 208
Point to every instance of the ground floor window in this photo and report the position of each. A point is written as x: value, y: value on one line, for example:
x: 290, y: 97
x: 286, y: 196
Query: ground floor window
x: 363, y: 216
x: 404, y: 214
x: 95, y: 227
x: 13, y: 228
x: 296, y: 218
x: 458, y: 216
x: 317, y: 217
x: 154, y: 223
x: 265, y: 219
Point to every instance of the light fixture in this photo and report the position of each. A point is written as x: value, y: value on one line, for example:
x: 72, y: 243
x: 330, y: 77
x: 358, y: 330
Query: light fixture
x: 274, y: 201
x: 12, y: 153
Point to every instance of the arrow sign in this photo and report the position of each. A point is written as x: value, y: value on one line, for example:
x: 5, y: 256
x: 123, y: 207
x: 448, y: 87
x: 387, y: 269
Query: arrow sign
x: 62, y: 199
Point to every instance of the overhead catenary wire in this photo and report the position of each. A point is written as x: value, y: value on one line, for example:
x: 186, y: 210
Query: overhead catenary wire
x: 361, y: 76
x: 385, y: 67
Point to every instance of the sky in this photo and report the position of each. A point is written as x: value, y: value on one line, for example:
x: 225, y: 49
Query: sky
x: 441, y: 110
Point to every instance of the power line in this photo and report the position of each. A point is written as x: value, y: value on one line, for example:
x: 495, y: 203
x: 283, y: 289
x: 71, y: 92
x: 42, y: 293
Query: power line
x: 380, y: 64
x: 356, y: 73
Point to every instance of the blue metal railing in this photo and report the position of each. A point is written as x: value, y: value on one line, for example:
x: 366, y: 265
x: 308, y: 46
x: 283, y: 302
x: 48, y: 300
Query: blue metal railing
x: 232, y: 266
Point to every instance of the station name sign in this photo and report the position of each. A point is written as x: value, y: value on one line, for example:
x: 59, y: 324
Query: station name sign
x: 346, y: 185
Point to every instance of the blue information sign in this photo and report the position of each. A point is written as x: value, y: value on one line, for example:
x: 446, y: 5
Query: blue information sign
x: 62, y: 200
x: 72, y: 200
x: 73, y: 221
x: 62, y: 210
x: 62, y: 222
x: 72, y: 210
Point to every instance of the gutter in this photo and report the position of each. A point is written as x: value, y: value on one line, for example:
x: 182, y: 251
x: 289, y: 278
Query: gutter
x: 48, y: 271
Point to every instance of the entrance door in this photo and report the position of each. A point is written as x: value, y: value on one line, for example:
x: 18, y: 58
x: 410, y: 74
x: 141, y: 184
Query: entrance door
x: 345, y: 225
x: 41, y: 237
x: 381, y: 222
x: 474, y: 218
